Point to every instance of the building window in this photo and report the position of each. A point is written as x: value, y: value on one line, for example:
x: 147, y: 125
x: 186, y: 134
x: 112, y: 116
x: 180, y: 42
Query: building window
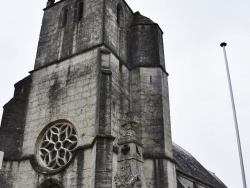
x: 120, y: 67
x: 79, y: 11
x: 57, y: 146
x: 119, y: 16
x: 63, y: 17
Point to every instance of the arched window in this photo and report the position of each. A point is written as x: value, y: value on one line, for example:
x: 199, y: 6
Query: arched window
x: 63, y: 17
x: 119, y: 16
x: 79, y: 11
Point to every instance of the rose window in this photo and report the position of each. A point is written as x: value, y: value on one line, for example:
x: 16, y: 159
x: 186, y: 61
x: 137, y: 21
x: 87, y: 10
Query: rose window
x: 58, y: 145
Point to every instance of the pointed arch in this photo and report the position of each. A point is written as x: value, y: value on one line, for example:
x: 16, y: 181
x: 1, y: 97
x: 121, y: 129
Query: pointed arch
x: 119, y: 16
x: 63, y: 17
x: 79, y: 11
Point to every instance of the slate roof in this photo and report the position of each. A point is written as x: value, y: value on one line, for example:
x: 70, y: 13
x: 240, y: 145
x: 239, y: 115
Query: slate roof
x: 189, y: 166
x: 216, y: 177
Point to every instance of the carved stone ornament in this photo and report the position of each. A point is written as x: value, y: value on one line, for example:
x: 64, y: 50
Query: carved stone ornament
x: 126, y: 179
x: 130, y: 126
x: 129, y: 171
x: 57, y: 146
x: 130, y: 121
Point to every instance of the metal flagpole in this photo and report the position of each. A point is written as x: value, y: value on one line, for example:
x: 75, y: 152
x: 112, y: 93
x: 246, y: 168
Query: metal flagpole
x: 1, y: 159
x: 223, y: 45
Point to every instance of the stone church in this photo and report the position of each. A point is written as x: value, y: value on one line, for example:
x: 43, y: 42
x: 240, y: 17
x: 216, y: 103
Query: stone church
x: 94, y: 112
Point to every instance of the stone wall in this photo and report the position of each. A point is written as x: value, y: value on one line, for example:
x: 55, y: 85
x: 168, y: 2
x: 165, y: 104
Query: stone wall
x: 114, y: 97
x: 145, y: 45
x: 13, y: 120
x: 57, y: 43
x: 120, y: 96
x: 159, y: 173
x: 79, y: 173
x: 149, y: 102
x: 98, y: 26
x: 67, y: 90
x: 166, y: 115
x: 115, y: 35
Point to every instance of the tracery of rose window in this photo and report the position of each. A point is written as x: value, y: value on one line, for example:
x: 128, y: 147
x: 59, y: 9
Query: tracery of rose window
x: 57, y: 146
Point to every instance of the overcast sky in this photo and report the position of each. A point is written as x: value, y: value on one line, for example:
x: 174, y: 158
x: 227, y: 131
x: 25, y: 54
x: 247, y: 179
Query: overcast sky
x: 201, y: 114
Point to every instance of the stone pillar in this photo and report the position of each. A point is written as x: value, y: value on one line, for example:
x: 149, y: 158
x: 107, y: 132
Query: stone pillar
x: 104, y: 140
x: 130, y: 159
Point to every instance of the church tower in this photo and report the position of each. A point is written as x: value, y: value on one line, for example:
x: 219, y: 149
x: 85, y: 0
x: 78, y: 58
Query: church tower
x: 94, y: 112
